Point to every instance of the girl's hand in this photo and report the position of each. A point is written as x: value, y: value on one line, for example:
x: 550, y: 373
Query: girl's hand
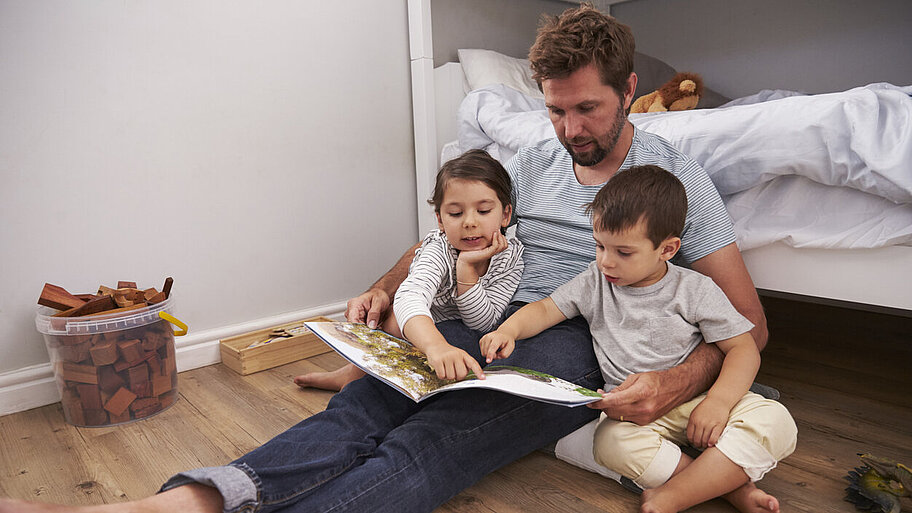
x: 498, y: 244
x: 496, y: 345
x: 706, y: 423
x: 452, y: 363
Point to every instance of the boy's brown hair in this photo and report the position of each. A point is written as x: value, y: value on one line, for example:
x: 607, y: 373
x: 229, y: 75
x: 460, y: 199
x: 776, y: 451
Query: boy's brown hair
x: 578, y: 37
x: 641, y: 192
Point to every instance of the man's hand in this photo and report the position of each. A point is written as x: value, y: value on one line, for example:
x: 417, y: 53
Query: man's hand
x: 706, y: 423
x: 639, y: 399
x: 496, y: 345
x: 452, y: 363
x: 369, y: 308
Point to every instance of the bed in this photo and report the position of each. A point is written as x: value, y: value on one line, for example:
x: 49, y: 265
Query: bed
x: 819, y: 186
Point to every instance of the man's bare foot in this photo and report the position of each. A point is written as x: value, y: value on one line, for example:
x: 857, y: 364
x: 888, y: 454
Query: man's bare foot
x: 750, y: 499
x: 333, y: 380
x: 193, y: 498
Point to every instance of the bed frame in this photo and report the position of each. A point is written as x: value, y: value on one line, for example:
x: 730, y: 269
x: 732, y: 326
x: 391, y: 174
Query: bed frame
x: 870, y: 279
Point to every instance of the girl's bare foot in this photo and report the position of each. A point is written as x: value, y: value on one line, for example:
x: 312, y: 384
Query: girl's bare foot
x: 750, y: 499
x: 333, y: 380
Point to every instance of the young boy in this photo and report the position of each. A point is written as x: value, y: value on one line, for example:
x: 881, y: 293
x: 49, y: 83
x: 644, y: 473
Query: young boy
x: 647, y: 314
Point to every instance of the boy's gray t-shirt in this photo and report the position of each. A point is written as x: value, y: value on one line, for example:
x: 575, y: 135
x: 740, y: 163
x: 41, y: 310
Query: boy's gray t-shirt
x: 642, y: 329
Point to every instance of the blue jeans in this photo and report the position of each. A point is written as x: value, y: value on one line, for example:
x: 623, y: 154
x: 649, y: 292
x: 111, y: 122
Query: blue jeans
x: 374, y: 449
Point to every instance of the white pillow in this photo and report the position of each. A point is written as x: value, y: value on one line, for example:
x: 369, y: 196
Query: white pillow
x: 487, y: 67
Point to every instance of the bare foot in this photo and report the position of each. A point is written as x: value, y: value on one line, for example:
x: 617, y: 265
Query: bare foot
x: 333, y: 380
x: 750, y: 499
x: 193, y: 498
x: 652, y: 501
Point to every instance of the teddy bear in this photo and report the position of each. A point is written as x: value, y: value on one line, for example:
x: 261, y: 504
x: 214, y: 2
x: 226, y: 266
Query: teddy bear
x: 682, y: 92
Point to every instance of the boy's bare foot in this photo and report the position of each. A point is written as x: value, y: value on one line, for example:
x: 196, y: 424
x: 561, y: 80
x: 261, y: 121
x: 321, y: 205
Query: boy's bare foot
x: 333, y: 380
x: 654, y: 502
x: 750, y: 499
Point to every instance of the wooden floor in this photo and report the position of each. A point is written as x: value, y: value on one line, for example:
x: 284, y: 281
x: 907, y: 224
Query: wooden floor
x: 845, y: 375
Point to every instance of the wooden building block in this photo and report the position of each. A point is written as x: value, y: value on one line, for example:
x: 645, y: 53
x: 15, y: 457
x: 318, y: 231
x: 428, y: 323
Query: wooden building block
x: 145, y: 404
x: 72, y: 340
x: 96, y: 305
x: 104, y: 353
x: 137, y: 375
x: 97, y: 417
x: 89, y: 396
x: 161, y: 385
x: 57, y: 297
x: 120, y: 401
x: 166, y: 288
x: 126, y: 284
x: 168, y: 399
x: 157, y: 298
x: 122, y: 365
x: 153, y: 339
x: 105, y: 291
x: 77, y: 353
x: 150, y: 292
x: 120, y: 419
x: 130, y: 350
x: 143, y: 389
x: 109, y: 380
x: 72, y: 407
x: 79, y: 373
x: 154, y: 363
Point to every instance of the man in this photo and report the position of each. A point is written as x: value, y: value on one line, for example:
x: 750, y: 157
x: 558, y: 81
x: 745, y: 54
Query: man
x: 373, y: 449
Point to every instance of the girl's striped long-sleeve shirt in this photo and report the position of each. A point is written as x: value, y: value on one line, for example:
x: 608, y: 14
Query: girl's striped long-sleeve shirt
x: 430, y: 288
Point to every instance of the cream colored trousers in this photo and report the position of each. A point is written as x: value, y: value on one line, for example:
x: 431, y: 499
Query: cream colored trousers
x: 760, y: 432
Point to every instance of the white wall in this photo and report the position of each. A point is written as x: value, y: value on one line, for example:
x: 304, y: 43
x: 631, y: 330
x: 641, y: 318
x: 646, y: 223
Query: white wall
x: 259, y: 152
x: 743, y: 46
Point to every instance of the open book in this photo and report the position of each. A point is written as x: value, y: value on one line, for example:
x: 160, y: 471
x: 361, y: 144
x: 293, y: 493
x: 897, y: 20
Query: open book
x: 405, y: 368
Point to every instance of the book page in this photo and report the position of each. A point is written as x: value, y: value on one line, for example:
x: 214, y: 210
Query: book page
x: 405, y: 368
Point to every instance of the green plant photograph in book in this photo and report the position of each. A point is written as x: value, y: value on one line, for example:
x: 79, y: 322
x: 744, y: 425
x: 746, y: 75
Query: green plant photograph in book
x: 405, y: 368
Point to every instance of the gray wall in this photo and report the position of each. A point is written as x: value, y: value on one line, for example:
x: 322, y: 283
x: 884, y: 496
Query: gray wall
x: 260, y: 153
x: 743, y: 46
x: 507, y: 26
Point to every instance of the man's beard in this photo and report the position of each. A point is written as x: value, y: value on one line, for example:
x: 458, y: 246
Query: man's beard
x: 601, y: 151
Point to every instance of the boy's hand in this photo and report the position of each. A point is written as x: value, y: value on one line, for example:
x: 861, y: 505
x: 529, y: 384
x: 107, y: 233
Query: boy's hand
x: 498, y: 244
x: 452, y: 363
x: 706, y: 423
x: 496, y: 345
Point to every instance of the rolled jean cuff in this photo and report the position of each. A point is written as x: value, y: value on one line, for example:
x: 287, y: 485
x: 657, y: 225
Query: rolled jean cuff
x: 236, y: 483
x: 747, y: 453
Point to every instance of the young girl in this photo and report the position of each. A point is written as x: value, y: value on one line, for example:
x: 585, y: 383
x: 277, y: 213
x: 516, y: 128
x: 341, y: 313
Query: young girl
x: 467, y: 269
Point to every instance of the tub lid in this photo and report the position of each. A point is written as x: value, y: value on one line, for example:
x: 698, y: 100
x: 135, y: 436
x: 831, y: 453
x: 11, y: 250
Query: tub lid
x: 50, y: 325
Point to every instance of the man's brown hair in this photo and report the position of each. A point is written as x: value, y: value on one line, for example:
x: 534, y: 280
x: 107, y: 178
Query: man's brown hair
x: 581, y: 36
x: 641, y: 192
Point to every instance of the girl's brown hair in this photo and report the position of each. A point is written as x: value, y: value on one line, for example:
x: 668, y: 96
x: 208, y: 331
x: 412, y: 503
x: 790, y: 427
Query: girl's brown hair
x: 475, y: 165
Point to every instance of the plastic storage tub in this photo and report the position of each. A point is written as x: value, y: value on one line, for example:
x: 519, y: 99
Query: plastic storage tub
x: 112, y: 368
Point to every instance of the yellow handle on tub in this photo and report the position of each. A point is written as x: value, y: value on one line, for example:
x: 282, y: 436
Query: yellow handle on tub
x: 175, y: 321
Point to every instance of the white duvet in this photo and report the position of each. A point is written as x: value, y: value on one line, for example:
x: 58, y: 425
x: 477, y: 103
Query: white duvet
x: 828, y: 171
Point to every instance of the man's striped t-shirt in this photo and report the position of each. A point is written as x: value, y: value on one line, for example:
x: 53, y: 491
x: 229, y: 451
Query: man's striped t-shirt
x: 551, y: 220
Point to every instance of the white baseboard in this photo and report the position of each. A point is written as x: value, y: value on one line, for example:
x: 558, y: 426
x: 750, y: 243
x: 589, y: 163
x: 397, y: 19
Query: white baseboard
x: 31, y: 387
